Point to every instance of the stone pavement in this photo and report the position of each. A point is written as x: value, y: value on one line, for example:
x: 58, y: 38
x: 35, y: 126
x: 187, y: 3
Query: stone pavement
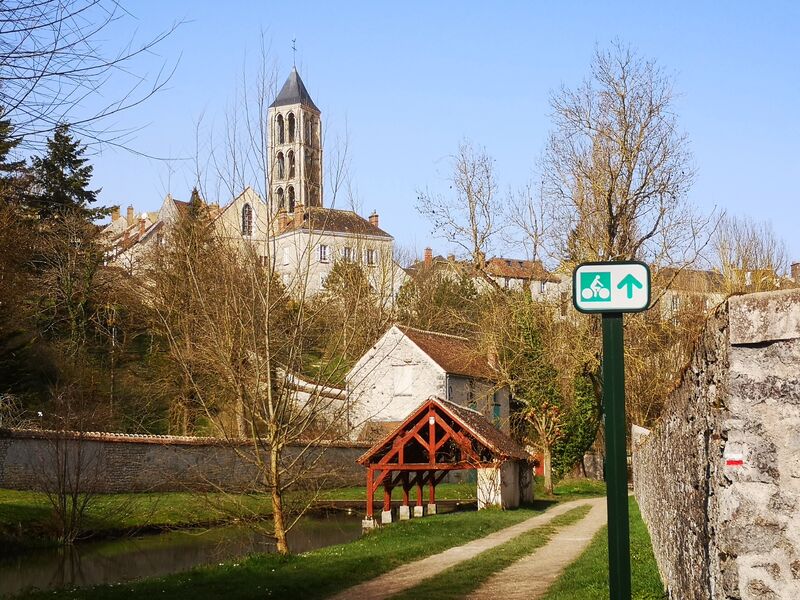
x: 393, y: 582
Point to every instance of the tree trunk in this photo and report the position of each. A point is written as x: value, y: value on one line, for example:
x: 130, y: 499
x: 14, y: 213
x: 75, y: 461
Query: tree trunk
x: 277, y: 502
x: 548, y: 471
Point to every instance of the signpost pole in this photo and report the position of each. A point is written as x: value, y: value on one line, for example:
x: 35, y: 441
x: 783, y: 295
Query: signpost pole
x: 616, y: 457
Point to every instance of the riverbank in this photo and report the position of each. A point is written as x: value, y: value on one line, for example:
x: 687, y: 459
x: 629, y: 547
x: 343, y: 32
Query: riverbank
x: 26, y: 518
x: 324, y: 572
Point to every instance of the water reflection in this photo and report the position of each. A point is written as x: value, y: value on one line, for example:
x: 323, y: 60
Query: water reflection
x: 150, y: 556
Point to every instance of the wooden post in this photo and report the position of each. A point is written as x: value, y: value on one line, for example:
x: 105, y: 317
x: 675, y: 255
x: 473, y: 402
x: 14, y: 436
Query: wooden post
x: 405, y: 488
x: 370, y: 492
x: 387, y: 498
x: 419, y: 489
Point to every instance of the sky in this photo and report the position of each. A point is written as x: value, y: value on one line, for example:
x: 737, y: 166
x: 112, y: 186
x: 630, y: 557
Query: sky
x: 405, y: 83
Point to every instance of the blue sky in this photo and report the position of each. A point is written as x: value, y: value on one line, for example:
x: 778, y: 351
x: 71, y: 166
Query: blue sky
x: 406, y: 82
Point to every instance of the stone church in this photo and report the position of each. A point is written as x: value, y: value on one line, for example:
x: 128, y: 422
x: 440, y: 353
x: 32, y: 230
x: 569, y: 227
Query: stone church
x: 291, y: 229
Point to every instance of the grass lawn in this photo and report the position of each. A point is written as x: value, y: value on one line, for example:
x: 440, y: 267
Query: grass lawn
x: 26, y: 517
x: 467, y: 576
x: 587, y: 578
x: 319, y: 573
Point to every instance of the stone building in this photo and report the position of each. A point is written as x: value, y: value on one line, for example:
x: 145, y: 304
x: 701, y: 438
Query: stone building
x: 291, y: 230
x: 407, y: 364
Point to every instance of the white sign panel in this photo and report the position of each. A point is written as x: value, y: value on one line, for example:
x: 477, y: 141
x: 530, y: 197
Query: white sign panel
x: 611, y: 287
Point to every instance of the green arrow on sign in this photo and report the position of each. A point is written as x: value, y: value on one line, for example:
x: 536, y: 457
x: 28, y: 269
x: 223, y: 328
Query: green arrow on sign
x: 630, y: 282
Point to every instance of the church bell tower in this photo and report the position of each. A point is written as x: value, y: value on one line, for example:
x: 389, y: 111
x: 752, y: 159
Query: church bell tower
x: 295, y: 148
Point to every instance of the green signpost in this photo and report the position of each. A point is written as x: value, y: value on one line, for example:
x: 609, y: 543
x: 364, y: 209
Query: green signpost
x: 611, y: 289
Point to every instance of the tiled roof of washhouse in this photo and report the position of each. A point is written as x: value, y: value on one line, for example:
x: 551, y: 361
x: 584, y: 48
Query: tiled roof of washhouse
x: 475, y: 424
x: 456, y: 355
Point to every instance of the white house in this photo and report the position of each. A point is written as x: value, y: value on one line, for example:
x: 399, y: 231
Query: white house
x: 407, y: 365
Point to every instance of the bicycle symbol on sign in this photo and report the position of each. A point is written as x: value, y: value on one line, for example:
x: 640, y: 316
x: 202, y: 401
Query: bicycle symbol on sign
x: 596, y: 287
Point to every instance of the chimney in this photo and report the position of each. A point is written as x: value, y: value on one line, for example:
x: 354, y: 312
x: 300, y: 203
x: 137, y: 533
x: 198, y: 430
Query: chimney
x: 299, y: 213
x: 795, y: 271
x: 141, y: 228
x: 373, y: 218
x: 283, y: 219
x: 114, y: 213
x: 428, y: 257
x: 129, y: 216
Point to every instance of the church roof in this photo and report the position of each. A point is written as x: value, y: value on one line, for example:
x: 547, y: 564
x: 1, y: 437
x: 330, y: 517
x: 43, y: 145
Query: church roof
x: 336, y: 221
x: 294, y: 92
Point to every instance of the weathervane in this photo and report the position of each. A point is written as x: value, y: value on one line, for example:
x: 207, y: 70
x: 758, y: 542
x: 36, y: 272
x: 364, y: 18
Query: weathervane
x: 294, y: 52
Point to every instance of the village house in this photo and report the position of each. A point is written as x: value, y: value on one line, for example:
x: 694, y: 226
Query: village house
x: 407, y: 365
x: 508, y: 273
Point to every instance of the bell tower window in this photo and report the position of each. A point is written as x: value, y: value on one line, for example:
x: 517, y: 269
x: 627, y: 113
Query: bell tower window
x: 279, y: 125
x: 290, y: 193
x: 290, y: 156
x: 281, y: 166
x: 281, y: 203
x: 291, y: 127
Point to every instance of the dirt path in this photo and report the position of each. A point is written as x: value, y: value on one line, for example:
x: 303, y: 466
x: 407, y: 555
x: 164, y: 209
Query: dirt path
x: 529, y: 578
x: 411, y: 574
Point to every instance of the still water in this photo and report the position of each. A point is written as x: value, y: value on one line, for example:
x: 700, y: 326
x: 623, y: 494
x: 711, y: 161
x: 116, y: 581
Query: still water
x: 153, y: 555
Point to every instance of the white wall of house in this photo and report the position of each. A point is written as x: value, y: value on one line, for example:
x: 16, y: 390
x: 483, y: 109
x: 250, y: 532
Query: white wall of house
x: 305, y: 260
x: 395, y: 376
x: 392, y: 379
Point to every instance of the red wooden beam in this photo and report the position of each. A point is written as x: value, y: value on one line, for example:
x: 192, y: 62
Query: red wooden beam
x: 370, y: 492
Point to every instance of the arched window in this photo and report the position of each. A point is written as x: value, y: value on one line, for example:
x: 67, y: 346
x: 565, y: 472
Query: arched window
x: 279, y: 194
x: 279, y: 124
x: 308, y: 164
x: 290, y: 156
x: 290, y: 192
x: 291, y: 128
x: 247, y: 220
x: 281, y: 166
x: 309, y: 128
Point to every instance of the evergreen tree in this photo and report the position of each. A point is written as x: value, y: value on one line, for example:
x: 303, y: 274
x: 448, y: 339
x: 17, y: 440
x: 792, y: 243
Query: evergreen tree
x: 61, y: 179
x: 12, y: 172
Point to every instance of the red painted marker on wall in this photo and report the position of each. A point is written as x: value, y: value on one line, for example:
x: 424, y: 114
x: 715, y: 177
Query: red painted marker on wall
x: 734, y: 460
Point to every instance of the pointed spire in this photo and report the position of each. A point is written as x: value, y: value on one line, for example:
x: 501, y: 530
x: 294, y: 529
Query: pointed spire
x: 294, y: 92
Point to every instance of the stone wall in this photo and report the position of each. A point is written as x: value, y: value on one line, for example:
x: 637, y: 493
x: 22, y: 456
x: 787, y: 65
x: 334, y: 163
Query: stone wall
x: 138, y: 463
x: 718, y: 481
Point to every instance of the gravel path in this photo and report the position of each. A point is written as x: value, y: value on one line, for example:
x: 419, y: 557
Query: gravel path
x: 411, y: 574
x: 530, y: 577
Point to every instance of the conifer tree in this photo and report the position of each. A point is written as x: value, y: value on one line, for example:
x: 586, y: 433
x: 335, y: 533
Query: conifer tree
x: 12, y: 172
x: 61, y: 179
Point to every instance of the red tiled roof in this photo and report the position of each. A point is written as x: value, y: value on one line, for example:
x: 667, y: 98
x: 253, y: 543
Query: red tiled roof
x: 474, y: 423
x: 456, y: 355
x: 335, y: 220
x: 515, y: 268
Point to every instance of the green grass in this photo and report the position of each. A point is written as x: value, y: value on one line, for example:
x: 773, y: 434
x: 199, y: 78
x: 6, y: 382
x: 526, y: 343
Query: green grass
x: 319, y: 573
x: 465, y: 577
x: 26, y: 517
x: 587, y: 577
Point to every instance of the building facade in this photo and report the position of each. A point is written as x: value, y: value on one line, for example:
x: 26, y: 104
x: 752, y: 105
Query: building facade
x: 408, y: 365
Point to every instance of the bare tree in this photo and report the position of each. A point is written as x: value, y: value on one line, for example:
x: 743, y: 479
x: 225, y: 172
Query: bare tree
x: 617, y: 168
x: 53, y: 67
x: 468, y: 219
x: 243, y: 348
x: 750, y: 256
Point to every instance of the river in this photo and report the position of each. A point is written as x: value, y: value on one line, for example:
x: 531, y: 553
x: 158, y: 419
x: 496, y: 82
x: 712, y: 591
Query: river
x: 113, y: 561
